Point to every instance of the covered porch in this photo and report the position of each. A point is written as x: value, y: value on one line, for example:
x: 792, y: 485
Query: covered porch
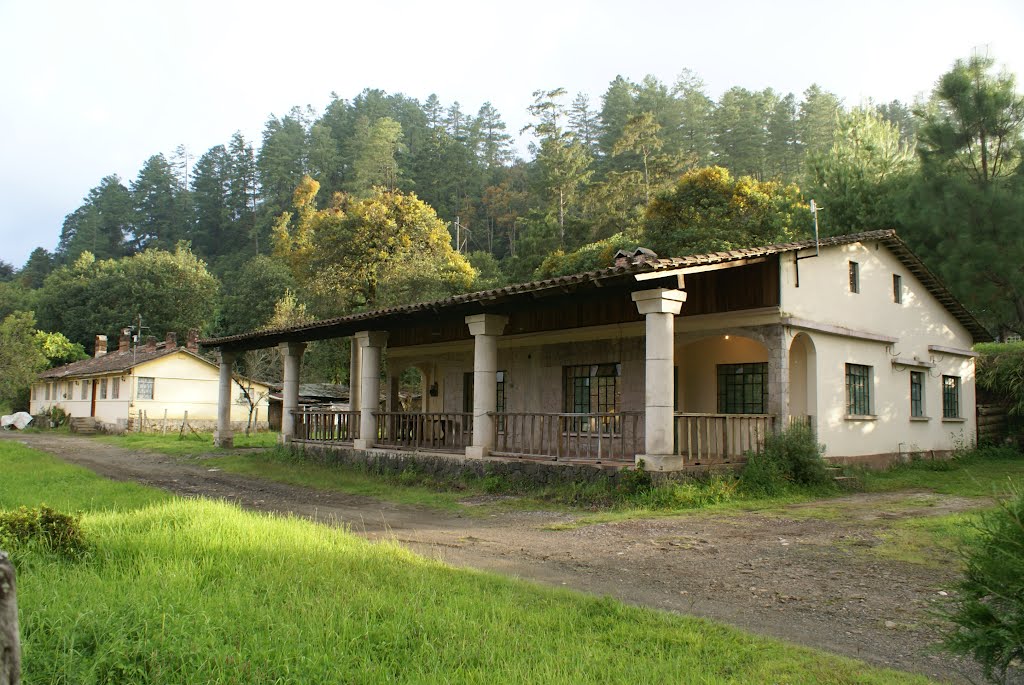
x: 625, y: 366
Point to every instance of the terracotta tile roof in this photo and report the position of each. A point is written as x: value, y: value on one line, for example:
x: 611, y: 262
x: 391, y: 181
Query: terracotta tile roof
x: 112, y: 362
x: 344, y: 325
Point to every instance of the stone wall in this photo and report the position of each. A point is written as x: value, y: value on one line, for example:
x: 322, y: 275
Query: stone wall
x: 449, y: 467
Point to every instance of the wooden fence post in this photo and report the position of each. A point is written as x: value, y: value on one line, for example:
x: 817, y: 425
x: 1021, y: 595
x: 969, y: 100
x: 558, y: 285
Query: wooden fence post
x: 10, y: 649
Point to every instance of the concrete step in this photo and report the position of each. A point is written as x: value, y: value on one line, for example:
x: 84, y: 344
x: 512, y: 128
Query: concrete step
x: 84, y: 425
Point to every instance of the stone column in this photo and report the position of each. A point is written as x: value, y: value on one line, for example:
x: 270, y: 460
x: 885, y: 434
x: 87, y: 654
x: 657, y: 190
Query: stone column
x: 223, y: 436
x: 370, y: 345
x: 777, y: 342
x: 353, y: 375
x: 290, y: 387
x: 485, y: 329
x: 659, y: 307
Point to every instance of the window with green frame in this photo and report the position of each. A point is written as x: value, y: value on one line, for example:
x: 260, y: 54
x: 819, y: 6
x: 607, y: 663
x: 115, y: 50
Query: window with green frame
x: 467, y: 395
x: 951, y: 397
x: 591, y: 389
x: 743, y: 388
x: 917, y: 393
x: 858, y: 390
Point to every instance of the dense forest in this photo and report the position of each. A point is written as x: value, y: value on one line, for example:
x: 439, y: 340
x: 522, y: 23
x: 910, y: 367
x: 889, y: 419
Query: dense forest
x: 383, y: 199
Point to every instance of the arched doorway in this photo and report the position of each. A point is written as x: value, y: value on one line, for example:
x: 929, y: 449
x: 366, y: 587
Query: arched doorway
x: 803, y: 379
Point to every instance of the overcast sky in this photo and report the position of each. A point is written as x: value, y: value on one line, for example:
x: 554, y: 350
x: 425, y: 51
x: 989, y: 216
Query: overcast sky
x: 95, y: 88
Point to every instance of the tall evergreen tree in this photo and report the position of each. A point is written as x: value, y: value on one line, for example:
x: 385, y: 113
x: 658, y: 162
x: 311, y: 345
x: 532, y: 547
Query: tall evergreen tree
x: 101, y: 225
x: 695, y: 131
x: 160, y: 205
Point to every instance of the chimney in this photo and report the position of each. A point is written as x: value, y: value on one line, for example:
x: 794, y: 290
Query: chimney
x: 150, y: 342
x: 101, y: 346
x: 171, y: 340
x: 192, y: 340
x: 642, y: 255
x: 125, y: 341
x: 623, y: 258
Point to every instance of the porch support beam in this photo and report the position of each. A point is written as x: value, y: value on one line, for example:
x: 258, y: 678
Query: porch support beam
x: 659, y: 307
x: 292, y: 353
x: 223, y: 436
x: 370, y: 345
x: 353, y: 375
x: 485, y: 329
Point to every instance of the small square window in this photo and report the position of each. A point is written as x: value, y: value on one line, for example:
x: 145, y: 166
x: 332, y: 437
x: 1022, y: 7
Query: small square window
x: 950, y: 397
x: 897, y: 289
x: 145, y: 391
x: 854, y: 277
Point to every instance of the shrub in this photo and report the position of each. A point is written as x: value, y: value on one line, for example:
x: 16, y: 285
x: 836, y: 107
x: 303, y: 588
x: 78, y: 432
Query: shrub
x: 790, y: 456
x: 989, y: 614
x: 634, y: 481
x: 57, y: 532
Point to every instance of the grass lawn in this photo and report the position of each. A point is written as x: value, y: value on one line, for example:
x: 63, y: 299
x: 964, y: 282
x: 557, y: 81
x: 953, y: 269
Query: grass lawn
x: 986, y: 472
x: 193, y: 591
x: 190, y: 444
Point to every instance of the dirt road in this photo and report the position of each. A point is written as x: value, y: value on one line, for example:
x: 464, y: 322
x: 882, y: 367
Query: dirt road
x: 801, y: 578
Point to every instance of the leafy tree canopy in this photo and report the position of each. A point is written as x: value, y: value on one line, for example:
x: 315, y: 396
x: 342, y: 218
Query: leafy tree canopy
x: 172, y: 291
x: 388, y: 248
x: 20, y: 359
x: 708, y: 210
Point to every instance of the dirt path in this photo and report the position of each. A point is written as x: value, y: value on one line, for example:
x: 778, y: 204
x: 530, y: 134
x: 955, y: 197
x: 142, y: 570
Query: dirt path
x: 791, y: 576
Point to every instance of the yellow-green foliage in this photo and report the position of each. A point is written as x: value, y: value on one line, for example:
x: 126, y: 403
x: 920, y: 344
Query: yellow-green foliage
x: 1001, y: 371
x: 387, y: 248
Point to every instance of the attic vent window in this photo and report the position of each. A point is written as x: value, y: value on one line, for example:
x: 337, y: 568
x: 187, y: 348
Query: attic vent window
x: 854, y: 277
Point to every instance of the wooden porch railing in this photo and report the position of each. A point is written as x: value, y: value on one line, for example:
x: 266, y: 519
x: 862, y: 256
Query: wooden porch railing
x: 326, y: 424
x: 720, y: 438
x: 441, y: 431
x: 570, y: 437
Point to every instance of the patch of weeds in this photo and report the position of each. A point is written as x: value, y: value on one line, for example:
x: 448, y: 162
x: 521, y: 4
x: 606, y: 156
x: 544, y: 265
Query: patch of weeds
x: 53, y: 530
x: 791, y: 457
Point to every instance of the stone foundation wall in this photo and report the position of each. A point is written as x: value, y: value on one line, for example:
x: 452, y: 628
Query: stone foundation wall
x: 450, y: 467
x: 883, y: 461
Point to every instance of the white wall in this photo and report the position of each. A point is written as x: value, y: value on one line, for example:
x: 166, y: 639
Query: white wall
x: 919, y: 321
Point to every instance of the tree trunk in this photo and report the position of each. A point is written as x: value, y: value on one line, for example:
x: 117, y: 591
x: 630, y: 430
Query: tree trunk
x: 10, y: 650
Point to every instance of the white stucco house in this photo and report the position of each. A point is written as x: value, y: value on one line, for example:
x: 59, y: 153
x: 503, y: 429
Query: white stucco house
x: 679, y: 362
x: 159, y: 381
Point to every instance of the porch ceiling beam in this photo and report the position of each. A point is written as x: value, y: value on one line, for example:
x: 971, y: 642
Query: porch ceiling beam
x: 682, y: 271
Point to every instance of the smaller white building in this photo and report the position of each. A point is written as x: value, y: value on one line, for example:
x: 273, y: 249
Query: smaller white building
x: 158, y: 382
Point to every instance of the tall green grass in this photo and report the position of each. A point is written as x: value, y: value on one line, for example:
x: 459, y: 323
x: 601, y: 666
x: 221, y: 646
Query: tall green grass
x: 194, y: 591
